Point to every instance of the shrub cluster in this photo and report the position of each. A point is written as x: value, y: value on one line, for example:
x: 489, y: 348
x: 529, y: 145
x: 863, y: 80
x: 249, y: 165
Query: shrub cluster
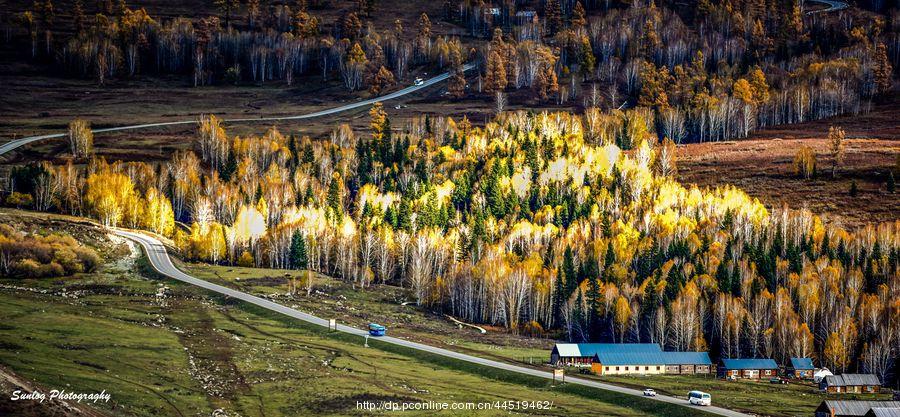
x: 37, y: 256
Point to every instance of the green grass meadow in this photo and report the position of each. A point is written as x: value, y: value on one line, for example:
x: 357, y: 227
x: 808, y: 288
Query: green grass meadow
x: 192, y: 352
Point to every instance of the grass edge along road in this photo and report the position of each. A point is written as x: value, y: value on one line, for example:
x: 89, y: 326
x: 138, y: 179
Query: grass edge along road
x: 160, y: 261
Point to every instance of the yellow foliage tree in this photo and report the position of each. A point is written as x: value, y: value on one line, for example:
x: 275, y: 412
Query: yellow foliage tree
x: 158, y: 215
x: 836, y: 141
x: 805, y: 162
x: 109, y: 195
x: 81, y: 138
x: 623, y: 316
x: 249, y: 225
x: 835, y: 352
x: 246, y: 260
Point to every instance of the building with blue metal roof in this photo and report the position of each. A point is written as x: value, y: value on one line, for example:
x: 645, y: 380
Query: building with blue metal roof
x: 748, y: 368
x: 800, y: 368
x: 629, y: 358
x: 688, y: 363
x: 581, y: 354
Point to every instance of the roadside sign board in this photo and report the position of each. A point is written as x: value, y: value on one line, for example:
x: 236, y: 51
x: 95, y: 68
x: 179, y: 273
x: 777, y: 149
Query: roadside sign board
x: 559, y: 374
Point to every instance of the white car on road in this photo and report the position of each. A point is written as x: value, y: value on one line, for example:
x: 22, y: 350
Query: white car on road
x: 649, y: 392
x: 419, y: 81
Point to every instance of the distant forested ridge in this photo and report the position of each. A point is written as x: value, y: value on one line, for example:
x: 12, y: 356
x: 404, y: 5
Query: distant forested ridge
x: 714, y: 70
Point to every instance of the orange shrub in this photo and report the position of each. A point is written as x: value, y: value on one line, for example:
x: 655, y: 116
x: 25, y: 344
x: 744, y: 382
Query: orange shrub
x: 35, y: 256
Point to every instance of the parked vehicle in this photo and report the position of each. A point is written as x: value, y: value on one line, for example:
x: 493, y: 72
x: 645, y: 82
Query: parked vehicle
x: 376, y: 329
x: 419, y: 81
x: 778, y: 380
x: 649, y: 392
x: 699, y: 398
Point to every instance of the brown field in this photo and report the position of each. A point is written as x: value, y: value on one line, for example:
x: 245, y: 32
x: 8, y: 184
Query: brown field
x: 763, y: 166
x: 764, y: 169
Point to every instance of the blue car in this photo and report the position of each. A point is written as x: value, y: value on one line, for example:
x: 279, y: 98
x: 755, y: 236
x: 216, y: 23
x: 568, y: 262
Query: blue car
x: 376, y: 329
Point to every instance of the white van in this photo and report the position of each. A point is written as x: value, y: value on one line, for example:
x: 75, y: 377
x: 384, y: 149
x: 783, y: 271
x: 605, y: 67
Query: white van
x: 699, y: 398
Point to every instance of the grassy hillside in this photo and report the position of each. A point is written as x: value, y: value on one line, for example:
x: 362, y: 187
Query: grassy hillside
x: 187, y: 352
x: 189, y: 355
x: 382, y: 304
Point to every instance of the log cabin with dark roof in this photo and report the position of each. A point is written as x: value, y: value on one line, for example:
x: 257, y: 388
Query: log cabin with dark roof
x: 850, y: 383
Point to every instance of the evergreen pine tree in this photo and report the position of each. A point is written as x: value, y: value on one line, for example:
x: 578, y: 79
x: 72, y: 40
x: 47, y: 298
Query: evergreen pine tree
x: 364, y: 158
x: 404, y: 220
x: 334, y: 196
x: 228, y: 169
x: 259, y: 193
x: 308, y: 155
x: 299, y: 257
x: 723, y: 277
x: 308, y: 195
x: 608, y: 261
x: 559, y: 298
x: 569, y: 271
x: 292, y: 147
x: 578, y: 318
x: 494, y: 194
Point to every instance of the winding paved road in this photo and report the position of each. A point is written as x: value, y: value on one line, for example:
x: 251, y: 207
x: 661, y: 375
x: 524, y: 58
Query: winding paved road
x: 160, y: 261
x: 9, y: 146
x: 833, y: 6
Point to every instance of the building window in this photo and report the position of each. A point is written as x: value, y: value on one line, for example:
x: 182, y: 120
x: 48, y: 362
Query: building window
x: 617, y: 368
x: 657, y: 368
x: 646, y: 368
x: 626, y: 368
x: 607, y: 368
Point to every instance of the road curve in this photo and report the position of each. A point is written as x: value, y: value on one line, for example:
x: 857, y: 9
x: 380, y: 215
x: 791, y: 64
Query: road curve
x: 833, y: 6
x: 9, y: 146
x: 159, y: 259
